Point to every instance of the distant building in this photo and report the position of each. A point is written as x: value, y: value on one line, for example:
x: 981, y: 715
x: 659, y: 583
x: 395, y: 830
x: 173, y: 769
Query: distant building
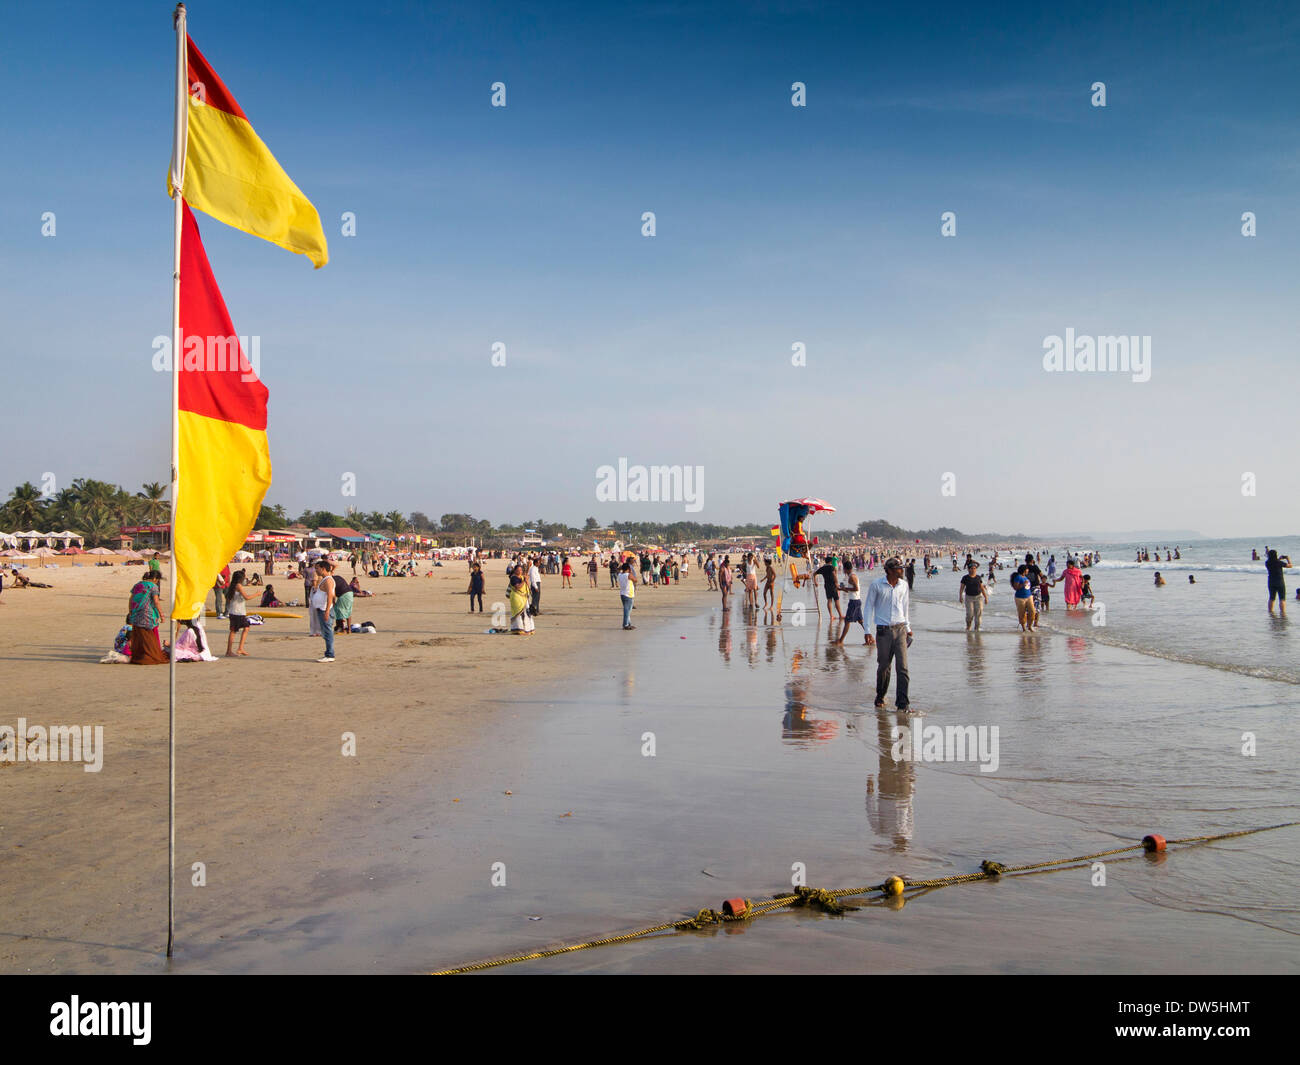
x: 342, y: 537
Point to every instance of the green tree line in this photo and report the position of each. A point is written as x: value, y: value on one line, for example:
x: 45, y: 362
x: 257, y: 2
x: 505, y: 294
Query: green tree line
x: 98, y: 510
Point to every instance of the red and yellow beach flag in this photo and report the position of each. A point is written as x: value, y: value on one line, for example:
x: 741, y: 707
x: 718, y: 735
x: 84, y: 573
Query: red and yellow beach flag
x: 231, y: 175
x: 221, y: 428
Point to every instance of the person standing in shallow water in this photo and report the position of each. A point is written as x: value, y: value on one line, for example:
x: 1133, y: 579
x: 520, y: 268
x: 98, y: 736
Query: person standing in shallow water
x: 853, y: 588
x: 1273, y: 566
x: 724, y: 584
x: 888, y: 606
x: 973, y: 594
x: 1073, y: 580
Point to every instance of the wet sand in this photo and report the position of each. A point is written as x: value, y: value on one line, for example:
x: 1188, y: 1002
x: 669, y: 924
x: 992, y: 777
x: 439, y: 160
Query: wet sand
x: 264, y: 797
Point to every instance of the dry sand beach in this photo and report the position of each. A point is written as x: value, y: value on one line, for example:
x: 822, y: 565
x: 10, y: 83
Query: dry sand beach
x: 262, y: 786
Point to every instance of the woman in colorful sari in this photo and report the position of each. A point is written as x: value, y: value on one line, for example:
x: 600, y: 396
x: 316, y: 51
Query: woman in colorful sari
x: 143, y: 617
x: 520, y: 619
x: 1073, y: 579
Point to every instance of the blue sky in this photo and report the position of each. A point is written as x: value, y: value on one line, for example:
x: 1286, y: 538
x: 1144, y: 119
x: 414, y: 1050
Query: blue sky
x: 775, y: 225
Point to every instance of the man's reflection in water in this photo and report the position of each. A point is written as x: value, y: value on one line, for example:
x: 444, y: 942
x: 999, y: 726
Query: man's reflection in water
x: 771, y: 643
x: 798, y: 727
x: 751, y: 640
x: 889, y: 797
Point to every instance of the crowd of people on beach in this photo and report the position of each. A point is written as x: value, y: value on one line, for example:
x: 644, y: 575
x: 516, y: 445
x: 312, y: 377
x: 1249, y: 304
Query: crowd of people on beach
x: 750, y: 581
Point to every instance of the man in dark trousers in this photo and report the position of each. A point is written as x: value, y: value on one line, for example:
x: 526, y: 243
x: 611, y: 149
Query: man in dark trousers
x: 887, y: 607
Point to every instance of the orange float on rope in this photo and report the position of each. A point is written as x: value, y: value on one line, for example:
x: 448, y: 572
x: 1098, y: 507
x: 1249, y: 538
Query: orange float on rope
x: 1153, y: 842
x: 735, y: 907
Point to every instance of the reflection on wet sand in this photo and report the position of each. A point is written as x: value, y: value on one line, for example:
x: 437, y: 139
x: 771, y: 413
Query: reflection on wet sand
x: 798, y: 727
x: 891, y: 790
x: 975, y: 661
x: 1029, y: 657
x: 890, y: 796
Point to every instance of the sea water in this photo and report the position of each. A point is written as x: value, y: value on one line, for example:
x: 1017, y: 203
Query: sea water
x: 1221, y: 621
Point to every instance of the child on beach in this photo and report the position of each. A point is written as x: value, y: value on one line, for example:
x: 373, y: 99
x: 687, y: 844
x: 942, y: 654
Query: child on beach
x: 476, y: 582
x: 567, y: 574
x: 1085, y: 595
x: 237, y: 610
x: 1044, y: 591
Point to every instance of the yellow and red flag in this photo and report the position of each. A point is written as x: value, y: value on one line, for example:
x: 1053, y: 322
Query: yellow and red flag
x: 221, y: 424
x: 231, y: 175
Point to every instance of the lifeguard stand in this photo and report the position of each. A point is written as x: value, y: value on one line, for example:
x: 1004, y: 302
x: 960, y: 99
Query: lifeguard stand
x: 797, y: 582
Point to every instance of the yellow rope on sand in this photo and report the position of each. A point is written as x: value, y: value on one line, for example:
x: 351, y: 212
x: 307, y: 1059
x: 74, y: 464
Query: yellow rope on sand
x: 829, y: 901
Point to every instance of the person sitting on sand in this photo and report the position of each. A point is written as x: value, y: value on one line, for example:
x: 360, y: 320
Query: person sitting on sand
x: 255, y: 581
x: 357, y: 593
x: 268, y: 597
x: 144, y: 616
x: 19, y: 580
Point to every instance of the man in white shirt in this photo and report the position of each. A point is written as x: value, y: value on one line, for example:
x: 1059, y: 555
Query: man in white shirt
x: 888, y: 604
x: 535, y: 585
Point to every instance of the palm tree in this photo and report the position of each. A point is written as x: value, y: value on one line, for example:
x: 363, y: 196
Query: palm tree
x: 25, y: 507
x: 154, y: 507
x: 72, y: 515
x: 100, y: 527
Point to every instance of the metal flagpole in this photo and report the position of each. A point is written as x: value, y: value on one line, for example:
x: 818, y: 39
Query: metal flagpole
x: 180, y: 135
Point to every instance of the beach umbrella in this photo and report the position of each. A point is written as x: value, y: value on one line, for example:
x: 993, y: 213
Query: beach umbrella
x: 72, y: 551
x: 243, y: 556
x: 43, y: 552
x: 132, y: 555
x: 103, y: 551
